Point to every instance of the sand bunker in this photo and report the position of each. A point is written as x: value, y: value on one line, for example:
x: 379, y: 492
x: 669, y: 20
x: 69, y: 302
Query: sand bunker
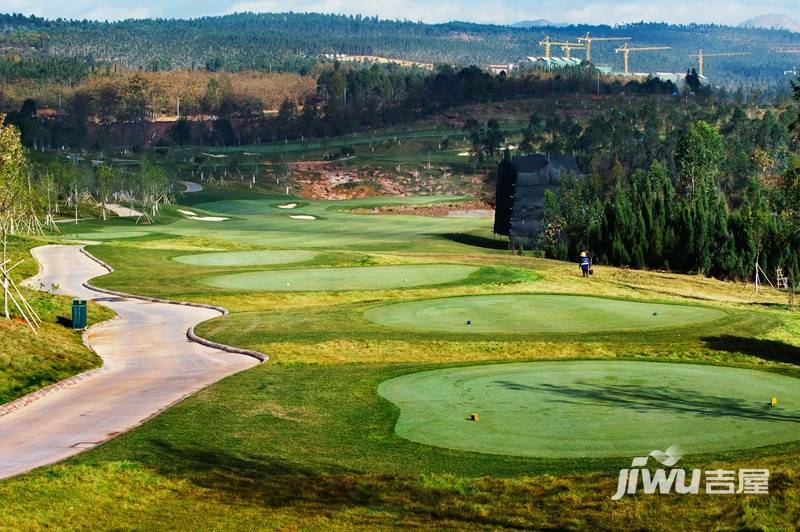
x: 209, y: 218
x: 123, y: 212
x: 187, y: 213
x: 303, y: 217
x: 288, y: 206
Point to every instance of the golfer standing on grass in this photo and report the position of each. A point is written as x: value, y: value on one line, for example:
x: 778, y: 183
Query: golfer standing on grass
x: 585, y: 263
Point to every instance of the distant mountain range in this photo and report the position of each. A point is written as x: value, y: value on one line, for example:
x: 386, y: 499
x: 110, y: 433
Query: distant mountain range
x: 772, y: 22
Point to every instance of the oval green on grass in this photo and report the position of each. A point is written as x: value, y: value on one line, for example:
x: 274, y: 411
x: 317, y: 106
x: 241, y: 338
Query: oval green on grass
x: 537, y: 313
x: 354, y: 278
x: 582, y: 409
x: 246, y: 258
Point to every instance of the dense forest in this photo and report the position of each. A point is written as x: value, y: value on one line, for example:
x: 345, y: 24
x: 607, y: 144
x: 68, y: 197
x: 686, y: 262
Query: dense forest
x: 711, y: 189
x: 296, y: 42
x: 688, y: 178
x: 252, y: 108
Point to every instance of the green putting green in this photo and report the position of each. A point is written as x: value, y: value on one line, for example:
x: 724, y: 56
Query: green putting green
x: 577, y: 409
x: 531, y: 313
x: 246, y: 258
x: 358, y: 278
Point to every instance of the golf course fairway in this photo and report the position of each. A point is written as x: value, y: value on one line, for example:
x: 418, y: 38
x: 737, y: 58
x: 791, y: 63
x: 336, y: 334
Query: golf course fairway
x: 529, y: 313
x: 354, y: 278
x: 105, y: 235
x: 575, y: 409
x: 246, y: 258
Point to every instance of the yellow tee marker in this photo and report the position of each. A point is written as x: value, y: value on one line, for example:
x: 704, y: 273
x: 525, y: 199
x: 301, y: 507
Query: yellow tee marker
x: 774, y: 401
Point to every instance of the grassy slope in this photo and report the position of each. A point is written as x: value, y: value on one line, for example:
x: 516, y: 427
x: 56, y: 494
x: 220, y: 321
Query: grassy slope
x: 31, y: 361
x: 305, y: 440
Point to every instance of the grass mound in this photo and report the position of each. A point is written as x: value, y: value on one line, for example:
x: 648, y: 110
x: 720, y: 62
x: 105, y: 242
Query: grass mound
x: 528, y: 313
x: 105, y: 235
x: 577, y: 409
x: 359, y: 278
x: 246, y: 258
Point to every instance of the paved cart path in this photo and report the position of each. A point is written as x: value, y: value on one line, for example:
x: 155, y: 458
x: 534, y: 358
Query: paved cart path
x: 148, y: 365
x: 192, y: 187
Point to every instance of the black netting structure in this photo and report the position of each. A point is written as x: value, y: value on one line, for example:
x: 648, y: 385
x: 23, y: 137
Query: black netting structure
x: 521, y: 182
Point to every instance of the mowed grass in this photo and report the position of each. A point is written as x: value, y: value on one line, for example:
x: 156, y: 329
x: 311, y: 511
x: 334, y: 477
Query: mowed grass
x: 338, y: 279
x: 595, y: 408
x: 260, y: 223
x: 309, y: 447
x: 30, y: 361
x: 514, y: 314
x: 306, y: 441
x: 246, y: 258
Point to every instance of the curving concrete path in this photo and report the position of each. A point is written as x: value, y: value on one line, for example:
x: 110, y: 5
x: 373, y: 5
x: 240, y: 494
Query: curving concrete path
x: 191, y: 186
x: 149, y: 364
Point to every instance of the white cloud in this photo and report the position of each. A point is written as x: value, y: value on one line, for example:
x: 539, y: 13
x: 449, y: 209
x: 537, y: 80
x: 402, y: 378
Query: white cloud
x: 578, y: 11
x: 713, y: 11
x: 107, y: 12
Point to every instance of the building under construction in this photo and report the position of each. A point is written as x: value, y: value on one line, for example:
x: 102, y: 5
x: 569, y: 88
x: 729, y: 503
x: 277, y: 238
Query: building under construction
x: 548, y: 63
x: 519, y: 200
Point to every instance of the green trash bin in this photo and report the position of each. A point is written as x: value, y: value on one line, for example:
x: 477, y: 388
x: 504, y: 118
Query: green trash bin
x: 78, y: 314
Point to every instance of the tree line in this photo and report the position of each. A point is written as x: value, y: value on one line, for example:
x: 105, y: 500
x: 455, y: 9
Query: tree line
x: 680, y: 217
x: 251, y: 107
x: 630, y: 133
x: 295, y: 42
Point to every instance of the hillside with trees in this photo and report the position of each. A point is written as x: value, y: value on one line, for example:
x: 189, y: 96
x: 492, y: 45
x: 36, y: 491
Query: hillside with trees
x: 669, y: 169
x: 294, y: 42
x: 715, y: 194
x: 119, y: 109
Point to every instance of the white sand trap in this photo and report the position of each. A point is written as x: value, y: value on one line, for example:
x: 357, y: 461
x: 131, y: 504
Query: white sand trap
x: 192, y: 186
x: 122, y: 212
x: 303, y: 217
x: 463, y: 154
x: 288, y: 206
x: 209, y: 218
x: 214, y: 155
x: 187, y: 213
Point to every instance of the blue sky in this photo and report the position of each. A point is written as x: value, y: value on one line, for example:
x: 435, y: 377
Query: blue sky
x: 492, y: 11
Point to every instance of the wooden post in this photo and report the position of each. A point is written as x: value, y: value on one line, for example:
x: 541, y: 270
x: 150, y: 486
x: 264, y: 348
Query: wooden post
x: 9, y: 296
x: 758, y: 281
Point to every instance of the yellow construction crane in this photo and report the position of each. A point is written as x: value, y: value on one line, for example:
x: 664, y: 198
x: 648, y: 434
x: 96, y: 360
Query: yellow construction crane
x: 625, y: 50
x: 566, y: 46
x: 701, y: 55
x: 587, y: 40
x: 546, y: 43
x: 569, y: 46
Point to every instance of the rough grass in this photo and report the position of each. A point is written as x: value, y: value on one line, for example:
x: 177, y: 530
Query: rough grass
x: 31, y: 361
x: 305, y: 442
x: 309, y: 447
